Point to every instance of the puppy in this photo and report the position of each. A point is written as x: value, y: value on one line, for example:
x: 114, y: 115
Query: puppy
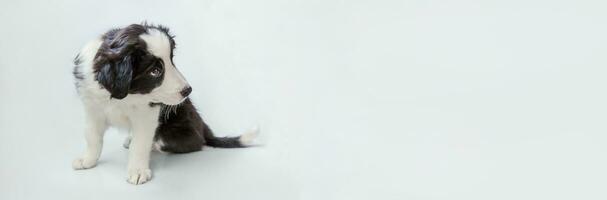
x: 127, y: 78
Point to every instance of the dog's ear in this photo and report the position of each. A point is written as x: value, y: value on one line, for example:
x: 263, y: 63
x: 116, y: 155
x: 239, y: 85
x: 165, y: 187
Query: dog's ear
x: 115, y: 59
x: 116, y: 76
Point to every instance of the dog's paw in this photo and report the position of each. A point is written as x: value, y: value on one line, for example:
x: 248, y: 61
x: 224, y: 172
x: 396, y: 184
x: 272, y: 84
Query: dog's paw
x: 139, y: 176
x: 83, y: 163
x: 127, y: 142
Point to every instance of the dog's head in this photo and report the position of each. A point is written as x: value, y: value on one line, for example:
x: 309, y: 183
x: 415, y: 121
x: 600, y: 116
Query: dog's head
x: 138, y: 59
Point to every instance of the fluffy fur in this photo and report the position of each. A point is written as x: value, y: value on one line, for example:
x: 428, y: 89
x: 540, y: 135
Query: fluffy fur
x: 126, y: 78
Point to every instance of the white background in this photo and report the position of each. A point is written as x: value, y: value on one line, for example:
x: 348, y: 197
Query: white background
x: 400, y: 99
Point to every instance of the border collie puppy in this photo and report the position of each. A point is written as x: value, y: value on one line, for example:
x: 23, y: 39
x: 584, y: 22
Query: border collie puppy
x: 127, y: 78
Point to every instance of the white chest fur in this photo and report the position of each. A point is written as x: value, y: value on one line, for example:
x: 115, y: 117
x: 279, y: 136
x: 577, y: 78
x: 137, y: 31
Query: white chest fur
x: 116, y: 115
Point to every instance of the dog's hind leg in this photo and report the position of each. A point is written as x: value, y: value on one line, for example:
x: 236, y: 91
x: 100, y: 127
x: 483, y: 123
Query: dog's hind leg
x: 155, y: 147
x: 127, y: 142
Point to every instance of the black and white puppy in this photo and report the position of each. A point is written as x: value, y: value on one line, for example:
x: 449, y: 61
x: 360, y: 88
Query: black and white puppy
x: 126, y: 78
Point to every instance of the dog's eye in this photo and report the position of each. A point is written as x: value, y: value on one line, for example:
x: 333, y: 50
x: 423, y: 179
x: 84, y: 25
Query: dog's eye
x: 156, y: 72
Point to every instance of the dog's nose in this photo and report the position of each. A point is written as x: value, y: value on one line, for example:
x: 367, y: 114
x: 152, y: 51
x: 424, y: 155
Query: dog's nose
x: 186, y: 91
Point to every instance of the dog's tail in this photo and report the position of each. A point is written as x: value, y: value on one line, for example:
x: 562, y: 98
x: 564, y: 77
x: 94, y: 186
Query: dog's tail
x: 244, y: 140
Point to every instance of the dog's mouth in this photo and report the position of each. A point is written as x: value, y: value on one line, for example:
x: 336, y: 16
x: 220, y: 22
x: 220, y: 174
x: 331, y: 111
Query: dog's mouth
x: 182, y: 100
x: 170, y: 103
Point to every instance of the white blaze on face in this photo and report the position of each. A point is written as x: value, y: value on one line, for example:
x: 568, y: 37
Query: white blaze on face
x: 169, y: 92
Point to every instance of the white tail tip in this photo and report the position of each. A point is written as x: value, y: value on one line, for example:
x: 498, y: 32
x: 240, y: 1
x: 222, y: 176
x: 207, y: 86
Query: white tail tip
x: 249, y: 136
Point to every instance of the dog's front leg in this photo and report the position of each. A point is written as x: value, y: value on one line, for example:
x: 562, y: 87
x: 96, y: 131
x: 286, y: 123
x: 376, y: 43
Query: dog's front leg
x: 95, y: 129
x: 143, y: 130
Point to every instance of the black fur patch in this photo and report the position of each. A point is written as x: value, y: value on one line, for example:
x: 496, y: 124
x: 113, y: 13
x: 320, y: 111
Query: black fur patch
x: 182, y: 130
x: 78, y: 76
